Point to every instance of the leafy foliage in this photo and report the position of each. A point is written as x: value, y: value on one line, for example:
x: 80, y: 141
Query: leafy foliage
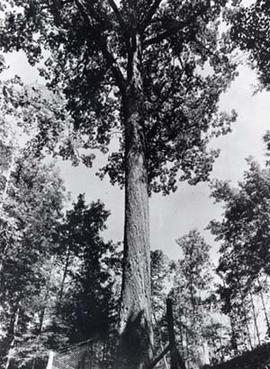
x: 244, y: 262
x: 91, y: 50
x: 244, y: 229
x: 87, y: 306
x: 191, y: 291
x: 251, y: 32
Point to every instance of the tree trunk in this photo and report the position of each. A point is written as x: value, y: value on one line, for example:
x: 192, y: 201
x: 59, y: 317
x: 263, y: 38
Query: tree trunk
x: 135, y: 318
x: 234, y: 342
x: 64, y: 274
x: 11, y: 334
x: 246, y: 319
x: 176, y: 359
x: 264, y: 308
x: 255, y: 319
x: 160, y: 340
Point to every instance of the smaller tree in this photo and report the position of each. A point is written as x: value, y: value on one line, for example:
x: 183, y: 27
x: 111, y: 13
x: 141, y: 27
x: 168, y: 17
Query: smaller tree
x: 87, y: 305
x: 30, y: 214
x: 244, y: 253
x: 191, y: 288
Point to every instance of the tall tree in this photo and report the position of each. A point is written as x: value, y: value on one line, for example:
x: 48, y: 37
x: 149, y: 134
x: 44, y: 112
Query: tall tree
x: 134, y: 67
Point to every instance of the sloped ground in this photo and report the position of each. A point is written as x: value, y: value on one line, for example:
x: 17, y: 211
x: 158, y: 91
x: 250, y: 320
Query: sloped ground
x: 258, y: 358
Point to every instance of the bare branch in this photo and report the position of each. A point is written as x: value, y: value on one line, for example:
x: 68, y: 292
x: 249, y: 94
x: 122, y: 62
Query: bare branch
x: 112, y: 63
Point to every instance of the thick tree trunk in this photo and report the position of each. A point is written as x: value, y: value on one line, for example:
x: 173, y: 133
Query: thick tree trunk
x: 135, y: 317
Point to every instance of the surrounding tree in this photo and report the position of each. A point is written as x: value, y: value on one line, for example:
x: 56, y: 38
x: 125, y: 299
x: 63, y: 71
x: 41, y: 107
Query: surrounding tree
x: 37, y: 244
x: 244, y: 262
x: 191, y: 290
x: 30, y: 213
x: 151, y: 71
x: 87, y: 305
x: 244, y: 228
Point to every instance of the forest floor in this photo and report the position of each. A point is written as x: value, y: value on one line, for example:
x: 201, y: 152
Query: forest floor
x: 258, y: 358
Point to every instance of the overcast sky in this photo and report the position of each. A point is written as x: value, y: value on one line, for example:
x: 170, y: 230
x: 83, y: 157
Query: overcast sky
x: 190, y: 207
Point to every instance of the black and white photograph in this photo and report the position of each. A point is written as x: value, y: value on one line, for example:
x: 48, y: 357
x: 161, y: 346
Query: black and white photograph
x: 134, y: 184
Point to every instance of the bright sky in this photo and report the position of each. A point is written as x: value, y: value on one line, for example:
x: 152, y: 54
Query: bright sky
x: 190, y: 207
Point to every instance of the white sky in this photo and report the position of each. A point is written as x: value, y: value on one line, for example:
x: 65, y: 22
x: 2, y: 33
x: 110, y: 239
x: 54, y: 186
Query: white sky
x: 190, y: 207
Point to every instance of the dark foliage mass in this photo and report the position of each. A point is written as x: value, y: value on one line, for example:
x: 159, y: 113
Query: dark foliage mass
x: 251, y: 32
x: 183, y: 69
x: 87, y: 302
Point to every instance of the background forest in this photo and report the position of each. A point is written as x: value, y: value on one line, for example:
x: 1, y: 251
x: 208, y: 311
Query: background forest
x: 60, y: 275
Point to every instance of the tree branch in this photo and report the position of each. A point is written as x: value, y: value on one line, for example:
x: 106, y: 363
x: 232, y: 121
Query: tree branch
x: 118, y: 15
x: 177, y: 26
x: 112, y: 63
x: 160, y: 356
x: 149, y: 15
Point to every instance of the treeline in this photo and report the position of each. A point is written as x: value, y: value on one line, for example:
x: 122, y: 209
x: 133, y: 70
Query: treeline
x: 61, y: 281
x: 58, y: 276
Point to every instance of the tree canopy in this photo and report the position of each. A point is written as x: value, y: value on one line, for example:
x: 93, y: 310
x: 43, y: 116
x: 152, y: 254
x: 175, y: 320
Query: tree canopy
x: 90, y: 47
x: 251, y: 33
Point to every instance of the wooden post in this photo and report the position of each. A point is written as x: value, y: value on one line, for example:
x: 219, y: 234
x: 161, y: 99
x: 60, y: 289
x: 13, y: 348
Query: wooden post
x: 50, y: 360
x: 176, y: 359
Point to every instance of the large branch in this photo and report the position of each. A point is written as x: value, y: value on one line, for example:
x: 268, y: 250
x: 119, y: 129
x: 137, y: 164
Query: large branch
x: 112, y: 63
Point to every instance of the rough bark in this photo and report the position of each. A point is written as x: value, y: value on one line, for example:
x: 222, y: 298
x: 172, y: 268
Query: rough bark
x: 135, y: 317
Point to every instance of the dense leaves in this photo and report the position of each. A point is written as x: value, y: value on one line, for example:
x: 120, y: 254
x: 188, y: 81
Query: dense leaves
x: 244, y: 229
x: 244, y: 262
x: 87, y: 303
x: 191, y: 290
x: 251, y: 32
x: 184, y: 68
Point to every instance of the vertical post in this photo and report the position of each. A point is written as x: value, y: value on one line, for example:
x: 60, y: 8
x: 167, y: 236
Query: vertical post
x: 176, y: 359
x: 255, y: 319
x: 50, y: 361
